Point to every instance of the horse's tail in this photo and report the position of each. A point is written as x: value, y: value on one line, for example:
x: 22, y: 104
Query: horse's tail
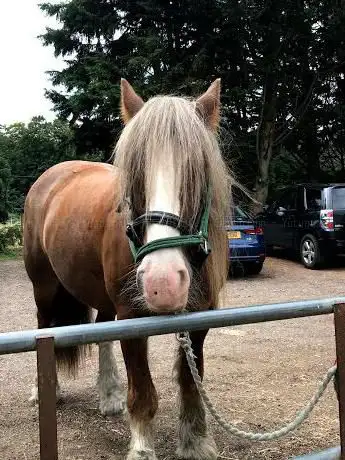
x: 67, y: 311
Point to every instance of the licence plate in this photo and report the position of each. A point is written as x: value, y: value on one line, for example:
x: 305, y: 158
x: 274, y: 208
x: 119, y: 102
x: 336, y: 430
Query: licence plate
x: 234, y: 235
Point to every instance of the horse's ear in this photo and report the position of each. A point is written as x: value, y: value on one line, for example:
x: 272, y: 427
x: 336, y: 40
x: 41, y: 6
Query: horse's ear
x: 208, y: 105
x: 131, y: 103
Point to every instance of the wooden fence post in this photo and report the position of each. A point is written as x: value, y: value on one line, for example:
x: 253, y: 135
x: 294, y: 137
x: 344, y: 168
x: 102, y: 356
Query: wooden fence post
x: 46, y: 376
x: 339, y: 320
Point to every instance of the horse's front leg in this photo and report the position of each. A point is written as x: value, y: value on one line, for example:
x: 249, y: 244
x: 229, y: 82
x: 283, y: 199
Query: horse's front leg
x: 194, y: 441
x: 142, y: 401
x: 110, y: 389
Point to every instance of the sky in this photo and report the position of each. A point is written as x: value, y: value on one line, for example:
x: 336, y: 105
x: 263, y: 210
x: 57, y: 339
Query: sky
x: 24, y: 61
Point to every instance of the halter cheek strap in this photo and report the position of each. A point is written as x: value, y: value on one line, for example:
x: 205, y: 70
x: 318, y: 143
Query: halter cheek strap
x: 198, y: 239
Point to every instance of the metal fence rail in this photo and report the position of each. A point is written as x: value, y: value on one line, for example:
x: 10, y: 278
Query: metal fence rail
x: 36, y: 339
x: 328, y: 454
x: 16, y: 342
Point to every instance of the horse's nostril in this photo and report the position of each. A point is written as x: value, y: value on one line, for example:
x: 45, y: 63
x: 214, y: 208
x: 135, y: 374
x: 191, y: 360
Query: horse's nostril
x: 155, y: 293
x: 183, y: 276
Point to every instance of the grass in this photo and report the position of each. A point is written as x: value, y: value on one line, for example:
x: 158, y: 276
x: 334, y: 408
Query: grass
x: 11, y: 253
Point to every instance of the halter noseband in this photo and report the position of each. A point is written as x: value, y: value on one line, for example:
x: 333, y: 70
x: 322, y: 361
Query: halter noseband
x: 198, y: 238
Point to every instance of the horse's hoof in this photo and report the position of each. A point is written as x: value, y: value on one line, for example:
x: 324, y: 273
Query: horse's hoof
x: 33, y: 400
x: 147, y: 454
x: 198, y: 448
x: 113, y: 405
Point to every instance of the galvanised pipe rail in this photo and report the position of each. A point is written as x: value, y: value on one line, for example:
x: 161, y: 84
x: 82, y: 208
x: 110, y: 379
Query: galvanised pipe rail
x: 328, y: 454
x: 17, y: 342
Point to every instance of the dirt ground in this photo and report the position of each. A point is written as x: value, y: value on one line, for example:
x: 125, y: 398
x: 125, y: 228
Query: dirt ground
x: 257, y: 376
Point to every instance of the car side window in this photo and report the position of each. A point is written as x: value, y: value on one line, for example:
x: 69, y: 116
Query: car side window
x: 287, y: 200
x: 313, y: 199
x: 338, y: 198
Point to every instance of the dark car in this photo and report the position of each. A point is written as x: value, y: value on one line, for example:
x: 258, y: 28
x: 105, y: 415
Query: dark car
x: 308, y: 219
x: 246, y: 243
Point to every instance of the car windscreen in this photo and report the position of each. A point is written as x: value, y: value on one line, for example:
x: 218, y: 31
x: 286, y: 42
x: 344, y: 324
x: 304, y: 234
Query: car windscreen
x: 338, y: 198
x: 239, y: 214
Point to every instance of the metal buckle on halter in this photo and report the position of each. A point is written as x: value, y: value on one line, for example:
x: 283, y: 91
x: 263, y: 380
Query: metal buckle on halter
x: 201, y: 253
x: 132, y: 234
x: 206, y: 247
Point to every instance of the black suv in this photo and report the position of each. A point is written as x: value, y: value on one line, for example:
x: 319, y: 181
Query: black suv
x: 308, y: 218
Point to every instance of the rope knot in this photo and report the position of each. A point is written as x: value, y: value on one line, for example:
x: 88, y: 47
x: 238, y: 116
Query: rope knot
x: 186, y: 344
x: 184, y: 339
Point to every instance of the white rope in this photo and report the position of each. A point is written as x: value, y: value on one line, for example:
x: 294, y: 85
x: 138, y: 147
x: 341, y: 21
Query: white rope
x: 186, y: 343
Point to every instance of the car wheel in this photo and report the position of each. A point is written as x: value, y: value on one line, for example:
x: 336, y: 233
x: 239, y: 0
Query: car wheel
x: 310, y: 253
x: 269, y: 250
x: 253, y: 268
x: 236, y: 269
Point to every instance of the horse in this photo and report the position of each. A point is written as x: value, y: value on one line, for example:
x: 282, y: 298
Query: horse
x: 141, y: 236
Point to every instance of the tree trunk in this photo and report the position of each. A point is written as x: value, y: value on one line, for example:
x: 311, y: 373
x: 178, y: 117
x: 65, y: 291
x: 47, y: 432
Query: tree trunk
x: 264, y: 159
x: 264, y: 141
x: 272, y: 45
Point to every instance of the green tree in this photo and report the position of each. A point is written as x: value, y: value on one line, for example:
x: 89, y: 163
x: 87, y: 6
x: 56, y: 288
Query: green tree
x: 279, y: 61
x: 27, y: 151
x: 5, y: 177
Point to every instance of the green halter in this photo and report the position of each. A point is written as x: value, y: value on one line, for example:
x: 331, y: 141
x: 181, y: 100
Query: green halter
x: 200, y: 238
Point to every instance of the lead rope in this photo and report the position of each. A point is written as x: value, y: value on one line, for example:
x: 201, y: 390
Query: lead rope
x: 186, y: 344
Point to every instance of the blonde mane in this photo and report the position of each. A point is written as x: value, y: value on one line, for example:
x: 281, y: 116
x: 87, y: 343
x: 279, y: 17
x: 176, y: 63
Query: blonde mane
x: 170, y: 127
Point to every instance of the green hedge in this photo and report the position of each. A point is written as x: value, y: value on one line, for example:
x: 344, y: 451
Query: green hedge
x: 10, y: 235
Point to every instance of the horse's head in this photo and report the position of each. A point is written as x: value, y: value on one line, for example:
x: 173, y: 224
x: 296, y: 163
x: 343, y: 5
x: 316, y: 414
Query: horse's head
x: 171, y: 162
